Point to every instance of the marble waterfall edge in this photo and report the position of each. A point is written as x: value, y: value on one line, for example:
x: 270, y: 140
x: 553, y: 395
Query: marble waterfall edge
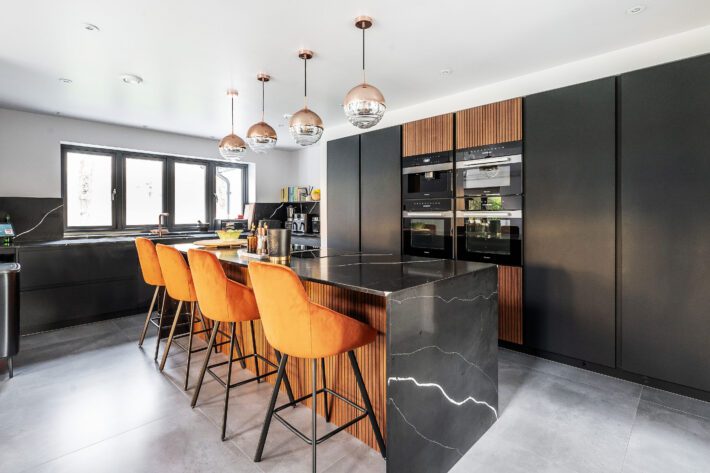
x: 442, y: 370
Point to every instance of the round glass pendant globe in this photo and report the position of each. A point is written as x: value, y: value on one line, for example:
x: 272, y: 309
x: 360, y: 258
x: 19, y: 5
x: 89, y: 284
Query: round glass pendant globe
x: 305, y: 127
x: 364, y: 106
x: 261, y: 137
x: 232, y: 147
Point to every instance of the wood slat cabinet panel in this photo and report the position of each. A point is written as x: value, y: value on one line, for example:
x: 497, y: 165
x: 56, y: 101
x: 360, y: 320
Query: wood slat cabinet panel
x: 430, y: 135
x: 498, y: 122
x: 510, y: 304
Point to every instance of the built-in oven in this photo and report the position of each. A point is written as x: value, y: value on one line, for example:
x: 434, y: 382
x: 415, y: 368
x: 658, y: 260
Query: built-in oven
x: 490, y: 229
x: 427, y: 228
x: 496, y: 170
x: 428, y: 176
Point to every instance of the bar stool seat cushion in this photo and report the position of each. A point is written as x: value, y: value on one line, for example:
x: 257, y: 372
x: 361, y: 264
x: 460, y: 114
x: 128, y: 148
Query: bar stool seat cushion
x: 296, y: 326
x: 220, y: 298
x: 148, y: 259
x: 176, y: 273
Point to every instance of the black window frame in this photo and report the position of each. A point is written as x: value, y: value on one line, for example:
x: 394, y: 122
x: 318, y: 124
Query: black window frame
x: 118, y: 180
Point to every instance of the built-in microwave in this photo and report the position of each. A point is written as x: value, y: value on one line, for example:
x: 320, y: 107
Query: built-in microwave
x: 427, y: 228
x: 428, y: 176
x: 490, y: 229
x: 494, y: 170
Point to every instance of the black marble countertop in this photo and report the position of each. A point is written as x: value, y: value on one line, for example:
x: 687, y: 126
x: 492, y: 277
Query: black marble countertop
x: 379, y: 274
x: 116, y: 239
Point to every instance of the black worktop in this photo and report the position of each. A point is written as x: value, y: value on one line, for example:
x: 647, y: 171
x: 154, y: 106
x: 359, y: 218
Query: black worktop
x: 96, y: 240
x: 379, y: 274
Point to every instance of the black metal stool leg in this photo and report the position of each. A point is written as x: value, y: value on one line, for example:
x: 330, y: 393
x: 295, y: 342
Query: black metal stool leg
x: 325, y: 393
x: 270, y: 412
x: 9, y: 367
x: 147, y: 319
x: 229, y: 380
x: 287, y: 383
x: 253, y: 346
x: 160, y: 325
x: 368, y: 404
x: 314, y: 413
x: 215, y: 329
x: 170, y: 337
x: 242, y: 363
x: 189, y: 344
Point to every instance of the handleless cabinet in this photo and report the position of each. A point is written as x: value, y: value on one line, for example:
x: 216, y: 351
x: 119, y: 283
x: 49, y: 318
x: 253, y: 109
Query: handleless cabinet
x: 665, y: 243
x: 343, y: 193
x: 380, y: 191
x: 494, y: 123
x: 569, y: 244
x: 429, y: 135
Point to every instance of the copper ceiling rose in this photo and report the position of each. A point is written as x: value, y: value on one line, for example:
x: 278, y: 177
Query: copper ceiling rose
x: 305, y: 126
x: 232, y: 147
x: 364, y: 105
x: 261, y: 136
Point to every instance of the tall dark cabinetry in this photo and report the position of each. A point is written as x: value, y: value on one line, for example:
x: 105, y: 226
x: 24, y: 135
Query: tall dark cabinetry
x: 344, y: 193
x: 569, y: 244
x: 665, y: 229
x: 380, y: 191
x: 364, y: 193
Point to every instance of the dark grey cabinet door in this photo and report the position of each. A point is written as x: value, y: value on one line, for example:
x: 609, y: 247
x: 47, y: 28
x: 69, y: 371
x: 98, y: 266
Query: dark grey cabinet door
x: 380, y: 191
x: 665, y: 222
x: 343, y: 190
x: 569, y: 225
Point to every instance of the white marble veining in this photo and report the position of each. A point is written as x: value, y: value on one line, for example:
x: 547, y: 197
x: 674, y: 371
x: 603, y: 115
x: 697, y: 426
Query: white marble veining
x: 404, y: 418
x: 445, y: 300
x: 443, y: 392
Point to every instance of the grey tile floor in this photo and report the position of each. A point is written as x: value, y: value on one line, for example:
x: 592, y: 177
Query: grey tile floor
x: 87, y: 399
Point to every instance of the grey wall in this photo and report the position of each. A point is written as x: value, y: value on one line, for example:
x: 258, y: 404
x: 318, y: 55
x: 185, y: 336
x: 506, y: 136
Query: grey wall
x: 30, y: 164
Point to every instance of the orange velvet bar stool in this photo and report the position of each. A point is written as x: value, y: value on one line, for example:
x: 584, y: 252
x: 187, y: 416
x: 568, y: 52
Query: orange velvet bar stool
x: 300, y: 328
x: 178, y: 283
x: 153, y: 276
x: 225, y: 301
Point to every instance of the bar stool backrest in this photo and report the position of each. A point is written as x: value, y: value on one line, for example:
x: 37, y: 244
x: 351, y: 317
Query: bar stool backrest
x: 148, y: 259
x: 284, y: 307
x: 176, y: 273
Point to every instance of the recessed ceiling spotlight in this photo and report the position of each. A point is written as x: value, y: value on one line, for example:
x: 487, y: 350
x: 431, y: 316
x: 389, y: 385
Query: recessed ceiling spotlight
x: 64, y: 80
x: 446, y: 72
x: 636, y: 9
x: 91, y: 27
x: 131, y: 79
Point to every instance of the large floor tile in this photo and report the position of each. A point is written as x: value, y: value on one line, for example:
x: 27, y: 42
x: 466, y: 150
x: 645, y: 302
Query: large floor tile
x: 667, y: 440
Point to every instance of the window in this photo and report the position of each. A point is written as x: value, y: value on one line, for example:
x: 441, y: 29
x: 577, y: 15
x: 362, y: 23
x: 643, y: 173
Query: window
x: 229, y: 192
x: 144, y: 191
x: 190, y: 193
x: 89, y: 190
x: 106, y: 189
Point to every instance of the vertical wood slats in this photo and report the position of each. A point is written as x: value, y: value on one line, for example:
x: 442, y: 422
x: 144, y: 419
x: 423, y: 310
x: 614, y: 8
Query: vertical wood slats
x: 490, y: 124
x: 366, y: 308
x: 430, y: 135
x: 510, y: 304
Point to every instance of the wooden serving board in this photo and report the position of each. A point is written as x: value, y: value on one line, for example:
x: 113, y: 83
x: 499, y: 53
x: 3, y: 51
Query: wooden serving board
x: 217, y: 243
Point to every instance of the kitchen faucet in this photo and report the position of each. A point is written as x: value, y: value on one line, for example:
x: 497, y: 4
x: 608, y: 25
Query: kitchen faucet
x: 162, y: 220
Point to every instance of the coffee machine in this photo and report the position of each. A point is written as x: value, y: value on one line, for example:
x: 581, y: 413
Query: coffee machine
x: 302, y: 223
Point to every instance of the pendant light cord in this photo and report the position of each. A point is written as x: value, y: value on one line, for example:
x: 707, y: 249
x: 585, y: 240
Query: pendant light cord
x: 305, y: 82
x: 364, y: 80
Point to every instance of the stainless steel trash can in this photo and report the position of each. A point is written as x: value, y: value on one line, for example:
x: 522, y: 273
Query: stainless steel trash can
x: 9, y: 311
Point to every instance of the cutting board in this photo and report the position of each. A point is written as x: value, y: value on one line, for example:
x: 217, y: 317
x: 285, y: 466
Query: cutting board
x: 217, y: 243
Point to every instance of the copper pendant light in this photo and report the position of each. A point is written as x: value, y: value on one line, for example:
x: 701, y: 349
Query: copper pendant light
x: 364, y: 105
x: 305, y: 126
x: 232, y: 147
x: 260, y: 136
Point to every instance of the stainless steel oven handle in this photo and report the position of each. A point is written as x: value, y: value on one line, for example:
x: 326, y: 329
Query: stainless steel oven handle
x: 446, y: 214
x: 490, y: 214
x: 428, y: 168
x: 484, y: 162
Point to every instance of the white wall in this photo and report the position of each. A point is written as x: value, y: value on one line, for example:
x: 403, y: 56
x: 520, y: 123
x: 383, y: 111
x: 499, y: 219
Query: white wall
x: 671, y: 48
x: 308, y: 165
x: 30, y: 163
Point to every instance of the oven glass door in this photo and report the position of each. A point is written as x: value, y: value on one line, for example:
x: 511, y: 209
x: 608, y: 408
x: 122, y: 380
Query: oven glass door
x: 427, y: 185
x: 499, y: 176
x: 428, y: 236
x: 490, y: 236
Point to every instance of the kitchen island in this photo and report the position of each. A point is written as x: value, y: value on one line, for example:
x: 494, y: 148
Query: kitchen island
x: 432, y: 372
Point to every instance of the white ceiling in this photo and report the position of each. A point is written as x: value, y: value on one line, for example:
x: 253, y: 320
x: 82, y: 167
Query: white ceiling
x: 189, y: 52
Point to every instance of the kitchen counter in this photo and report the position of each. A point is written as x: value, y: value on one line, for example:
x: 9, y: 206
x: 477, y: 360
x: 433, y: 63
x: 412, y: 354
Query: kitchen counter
x: 432, y: 372
x: 96, y: 240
